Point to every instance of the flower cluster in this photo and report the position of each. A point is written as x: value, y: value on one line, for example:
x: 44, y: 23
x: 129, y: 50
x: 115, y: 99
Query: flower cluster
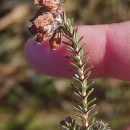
x: 47, y: 21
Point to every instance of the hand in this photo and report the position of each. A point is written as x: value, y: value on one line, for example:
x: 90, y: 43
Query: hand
x: 108, y: 46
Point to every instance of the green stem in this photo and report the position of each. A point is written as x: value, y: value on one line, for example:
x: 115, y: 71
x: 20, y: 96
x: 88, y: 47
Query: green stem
x: 79, y: 65
x: 83, y: 90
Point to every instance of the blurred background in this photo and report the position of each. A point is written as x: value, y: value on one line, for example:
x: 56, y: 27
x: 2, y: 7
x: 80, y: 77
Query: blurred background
x: 31, y: 101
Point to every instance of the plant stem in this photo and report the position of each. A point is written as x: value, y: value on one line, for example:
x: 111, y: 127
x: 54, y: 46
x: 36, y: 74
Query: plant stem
x: 83, y: 89
x: 78, y: 60
x: 80, y: 76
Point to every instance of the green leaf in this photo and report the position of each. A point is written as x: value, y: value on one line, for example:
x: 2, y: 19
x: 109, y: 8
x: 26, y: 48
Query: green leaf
x: 89, y: 92
x: 80, y: 39
x: 74, y: 65
x: 77, y: 79
x: 68, y: 37
x: 74, y: 43
x: 79, y: 110
x: 84, y: 55
x: 67, y: 43
x: 90, y: 108
x: 74, y: 35
x: 77, y: 58
x: 78, y: 94
x: 71, y: 51
x: 78, y: 117
x: 87, y: 70
x: 91, y: 117
x: 77, y: 88
x: 91, y: 102
x: 69, y: 22
x: 84, y: 63
x: 90, y: 84
x: 80, y: 51
x: 67, y: 26
x: 87, y: 76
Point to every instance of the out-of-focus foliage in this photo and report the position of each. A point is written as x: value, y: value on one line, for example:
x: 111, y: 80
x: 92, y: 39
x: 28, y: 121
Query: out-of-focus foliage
x: 30, y: 101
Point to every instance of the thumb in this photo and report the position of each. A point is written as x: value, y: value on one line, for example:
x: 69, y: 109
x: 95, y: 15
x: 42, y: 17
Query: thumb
x: 99, y: 39
x: 54, y: 63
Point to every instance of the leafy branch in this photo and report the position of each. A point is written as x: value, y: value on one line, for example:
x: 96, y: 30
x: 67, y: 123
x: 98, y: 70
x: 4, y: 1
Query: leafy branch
x: 85, y: 119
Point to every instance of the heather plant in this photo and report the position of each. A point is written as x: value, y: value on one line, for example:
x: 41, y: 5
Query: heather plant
x: 50, y: 23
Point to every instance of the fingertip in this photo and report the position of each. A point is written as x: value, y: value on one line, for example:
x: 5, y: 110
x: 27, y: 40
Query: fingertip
x: 40, y: 58
x: 54, y: 63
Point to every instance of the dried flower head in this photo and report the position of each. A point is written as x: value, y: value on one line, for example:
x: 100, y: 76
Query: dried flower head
x: 55, y: 40
x: 48, y: 4
x: 43, y: 20
x: 47, y: 21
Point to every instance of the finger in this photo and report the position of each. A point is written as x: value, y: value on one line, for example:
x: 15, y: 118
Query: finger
x: 54, y: 63
x: 40, y: 58
x: 118, y: 51
x: 99, y: 39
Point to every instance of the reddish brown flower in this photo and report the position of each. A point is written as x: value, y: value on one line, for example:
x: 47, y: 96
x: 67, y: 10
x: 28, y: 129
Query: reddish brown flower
x: 47, y: 4
x: 42, y: 37
x: 43, y: 20
x: 55, y: 40
x: 39, y: 26
x: 46, y: 23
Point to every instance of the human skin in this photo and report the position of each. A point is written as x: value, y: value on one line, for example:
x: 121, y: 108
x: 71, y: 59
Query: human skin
x: 108, y: 46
